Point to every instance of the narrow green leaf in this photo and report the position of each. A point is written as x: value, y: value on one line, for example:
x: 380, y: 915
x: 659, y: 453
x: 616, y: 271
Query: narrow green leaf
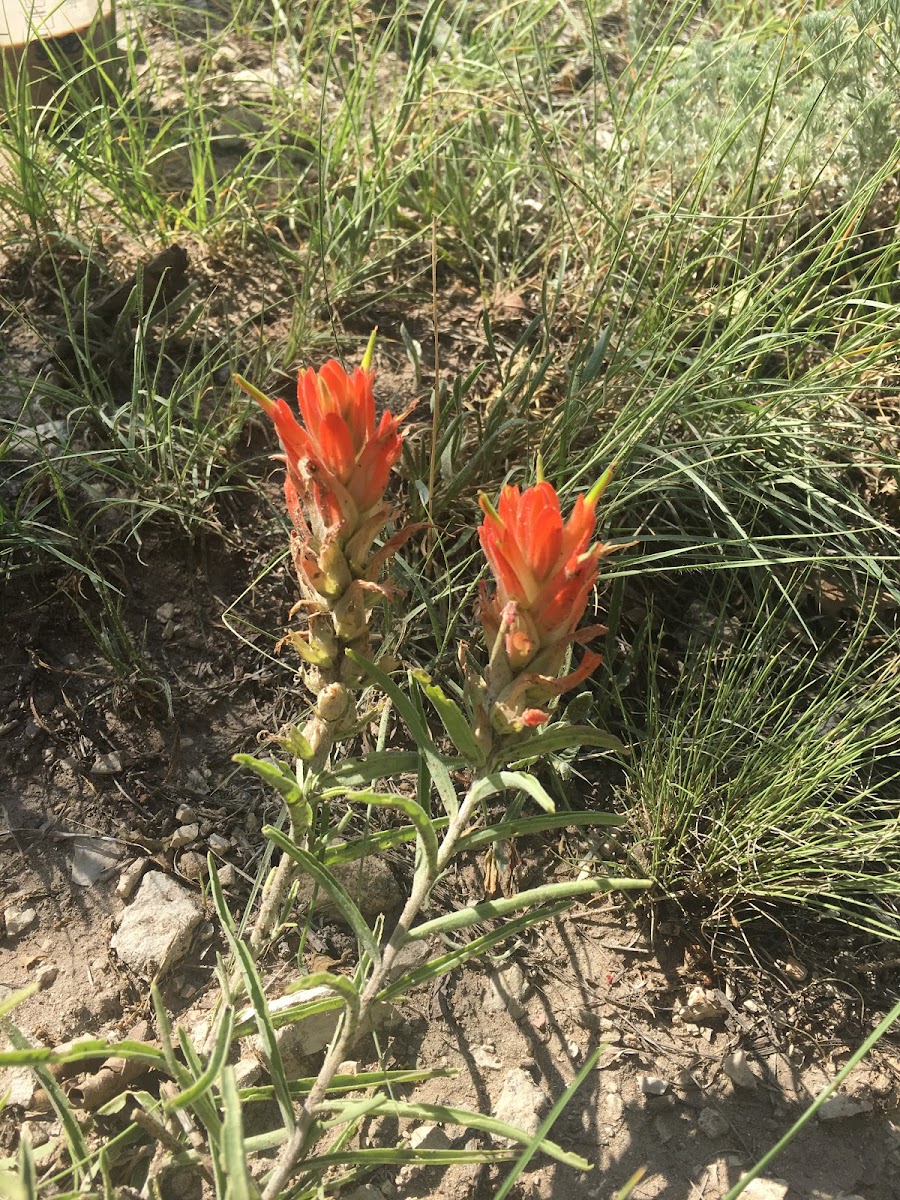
x: 277, y: 775
x: 16, y: 998
x: 78, y: 1148
x: 503, y: 781
x: 258, y: 1002
x: 412, y: 809
x: 437, y: 767
x: 402, y: 702
x: 233, y: 1150
x: 562, y: 737
x: 453, y: 719
x: 338, y: 983
x: 294, y: 743
x: 356, y: 772
x: 27, y: 1167
x: 349, y: 1083
x: 329, y: 884
x: 374, y: 843
x: 528, y: 826
x: 89, y: 1048
x: 492, y: 909
x: 209, y: 1076
x: 443, y: 1114
x: 476, y: 948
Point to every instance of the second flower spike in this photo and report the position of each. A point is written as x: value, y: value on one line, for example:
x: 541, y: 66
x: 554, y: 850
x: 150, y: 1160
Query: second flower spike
x: 544, y: 569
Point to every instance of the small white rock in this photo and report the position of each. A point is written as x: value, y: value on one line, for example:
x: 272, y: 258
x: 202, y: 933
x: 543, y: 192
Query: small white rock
x: 365, y: 1191
x: 94, y: 859
x: 130, y: 878
x: 505, y: 991
x: 157, y: 927
x: 45, y: 976
x: 184, y: 835
x: 652, y: 1085
x: 165, y: 612
x: 429, y: 1137
x: 765, y: 1189
x: 227, y: 875
x: 184, y: 814
x: 192, y: 865
x: 218, y: 844
x: 18, y: 920
x: 521, y: 1102
x: 107, y: 764
x: 703, y: 1004
x: 737, y: 1068
x: 349, y: 1067
x: 841, y: 1106
x: 712, y: 1123
x: 484, y: 1056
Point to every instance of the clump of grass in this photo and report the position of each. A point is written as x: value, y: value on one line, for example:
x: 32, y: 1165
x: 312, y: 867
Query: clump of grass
x: 768, y: 777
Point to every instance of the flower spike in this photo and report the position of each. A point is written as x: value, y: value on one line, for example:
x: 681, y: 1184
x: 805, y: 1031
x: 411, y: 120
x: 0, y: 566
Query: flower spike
x: 544, y: 568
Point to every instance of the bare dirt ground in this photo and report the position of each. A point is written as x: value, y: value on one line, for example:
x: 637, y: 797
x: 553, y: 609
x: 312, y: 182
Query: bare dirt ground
x: 87, y: 768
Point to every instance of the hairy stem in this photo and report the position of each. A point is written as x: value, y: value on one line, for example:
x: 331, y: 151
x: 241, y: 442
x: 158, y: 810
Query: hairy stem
x: 320, y: 735
x: 293, y: 1149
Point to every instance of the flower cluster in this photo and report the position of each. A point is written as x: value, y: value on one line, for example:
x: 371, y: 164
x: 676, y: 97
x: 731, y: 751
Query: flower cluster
x: 544, y: 569
x: 338, y: 463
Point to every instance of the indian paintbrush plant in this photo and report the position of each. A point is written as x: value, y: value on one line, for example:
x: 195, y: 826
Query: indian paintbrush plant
x: 338, y: 462
x: 545, y: 569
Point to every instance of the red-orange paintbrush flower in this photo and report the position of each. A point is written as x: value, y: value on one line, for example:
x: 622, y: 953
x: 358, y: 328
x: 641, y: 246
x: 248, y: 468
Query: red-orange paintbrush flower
x: 338, y: 463
x: 544, y: 568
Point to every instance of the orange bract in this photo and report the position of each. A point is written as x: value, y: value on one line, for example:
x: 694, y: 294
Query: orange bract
x: 338, y: 445
x: 546, y: 566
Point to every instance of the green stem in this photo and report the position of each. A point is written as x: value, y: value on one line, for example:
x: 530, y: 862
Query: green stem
x: 337, y: 1053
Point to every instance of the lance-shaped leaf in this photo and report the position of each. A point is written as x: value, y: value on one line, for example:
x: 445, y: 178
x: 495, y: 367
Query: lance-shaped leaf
x: 561, y: 737
x: 277, y: 775
x: 329, y: 884
x: 453, y: 719
x: 476, y: 948
x: 416, y: 813
x: 504, y: 781
x: 239, y: 1185
x: 445, y: 1115
x: 437, y: 767
x: 294, y: 743
x: 492, y: 909
x: 527, y: 826
x: 210, y: 1074
x: 357, y: 772
x: 338, y: 983
x: 256, y: 993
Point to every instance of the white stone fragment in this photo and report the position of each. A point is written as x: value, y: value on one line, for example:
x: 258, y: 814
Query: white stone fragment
x: 130, y: 878
x: 108, y: 764
x: 521, y: 1102
x: 94, y: 860
x: 765, y: 1189
x: 429, y: 1137
x: 841, y: 1106
x: 652, y: 1085
x: 712, y: 1123
x: 737, y: 1068
x: 18, y: 920
x: 184, y: 835
x: 157, y: 927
